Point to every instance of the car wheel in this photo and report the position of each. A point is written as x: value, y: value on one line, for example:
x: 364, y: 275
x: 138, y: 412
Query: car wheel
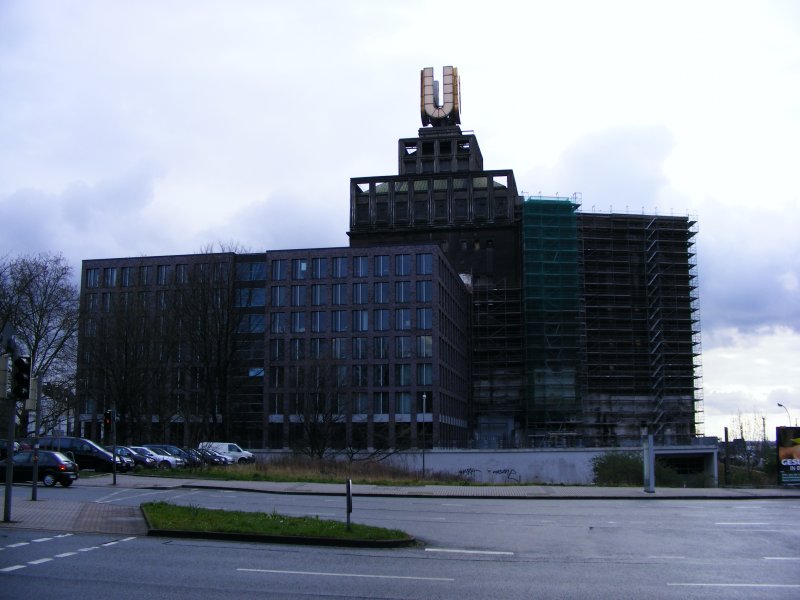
x: 49, y: 479
x: 66, y: 482
x: 242, y: 461
x: 164, y: 465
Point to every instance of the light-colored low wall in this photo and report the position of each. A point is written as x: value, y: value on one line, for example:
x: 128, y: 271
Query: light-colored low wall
x: 570, y: 466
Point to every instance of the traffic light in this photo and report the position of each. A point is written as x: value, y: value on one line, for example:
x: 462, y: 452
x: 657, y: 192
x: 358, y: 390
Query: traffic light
x: 107, y: 418
x: 21, y: 377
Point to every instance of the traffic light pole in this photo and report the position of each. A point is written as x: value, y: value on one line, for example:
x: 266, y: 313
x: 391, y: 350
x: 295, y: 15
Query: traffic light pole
x: 9, y: 438
x: 35, y: 399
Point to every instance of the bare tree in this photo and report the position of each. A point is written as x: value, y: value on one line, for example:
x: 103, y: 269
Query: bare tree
x: 319, y: 392
x: 40, y: 299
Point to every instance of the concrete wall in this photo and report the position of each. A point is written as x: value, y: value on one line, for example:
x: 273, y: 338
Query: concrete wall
x: 570, y: 466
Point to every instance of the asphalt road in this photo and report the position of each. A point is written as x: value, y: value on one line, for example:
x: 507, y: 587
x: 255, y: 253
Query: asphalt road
x: 471, y: 548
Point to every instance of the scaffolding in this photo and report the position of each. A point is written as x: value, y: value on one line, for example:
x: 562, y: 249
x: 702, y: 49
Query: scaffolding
x: 553, y: 316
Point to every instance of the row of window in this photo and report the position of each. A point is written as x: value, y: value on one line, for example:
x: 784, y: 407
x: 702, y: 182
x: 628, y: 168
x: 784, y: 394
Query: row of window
x: 301, y: 268
x: 337, y: 294
x: 359, y: 348
x: 404, y: 403
x: 338, y: 321
x: 347, y: 375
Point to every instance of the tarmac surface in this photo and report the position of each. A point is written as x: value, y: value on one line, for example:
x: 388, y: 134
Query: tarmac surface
x: 94, y: 517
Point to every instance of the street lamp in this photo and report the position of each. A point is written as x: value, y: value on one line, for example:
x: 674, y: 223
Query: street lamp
x: 787, y: 413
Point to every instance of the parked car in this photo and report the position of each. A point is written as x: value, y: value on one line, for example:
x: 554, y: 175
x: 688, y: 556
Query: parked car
x: 229, y: 449
x: 139, y: 460
x: 188, y: 459
x: 130, y: 464
x: 213, y: 458
x: 85, y: 452
x: 163, y: 461
x: 54, y: 467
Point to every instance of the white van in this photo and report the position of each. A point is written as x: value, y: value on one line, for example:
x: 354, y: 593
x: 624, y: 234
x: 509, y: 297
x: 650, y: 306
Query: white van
x: 229, y: 449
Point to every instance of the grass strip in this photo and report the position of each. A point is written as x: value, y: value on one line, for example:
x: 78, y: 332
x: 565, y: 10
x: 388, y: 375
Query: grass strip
x: 166, y: 516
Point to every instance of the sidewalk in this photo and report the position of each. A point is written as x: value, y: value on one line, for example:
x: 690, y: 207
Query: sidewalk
x: 94, y: 517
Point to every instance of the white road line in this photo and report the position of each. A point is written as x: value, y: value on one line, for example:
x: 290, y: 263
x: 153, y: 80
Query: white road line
x: 18, y: 545
x: 782, y: 558
x: 733, y: 523
x: 361, y: 575
x: 457, y: 551
x: 65, y: 554
x: 41, y: 540
x: 667, y: 557
x: 739, y: 585
x: 89, y: 549
x: 12, y: 568
x: 110, y: 543
x: 450, y: 504
x: 39, y: 561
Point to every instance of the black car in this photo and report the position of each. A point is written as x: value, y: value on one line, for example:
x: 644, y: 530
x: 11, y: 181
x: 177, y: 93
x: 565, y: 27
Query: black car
x: 85, y: 452
x: 139, y: 460
x: 54, y: 467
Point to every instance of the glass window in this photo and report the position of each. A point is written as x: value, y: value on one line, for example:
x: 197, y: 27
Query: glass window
x: 402, y: 264
x: 252, y: 324
x: 360, y: 266
x: 382, y: 319
x: 277, y: 323
x: 381, y: 265
x: 424, y: 374
x: 424, y: 290
x: 424, y: 264
x: 298, y: 322
x: 402, y: 291
x: 255, y: 372
x: 92, y: 278
x: 360, y: 293
x: 402, y: 403
x: 402, y: 346
x: 298, y: 295
x: 339, y: 293
x: 360, y: 376
x: 424, y: 346
x: 250, y: 297
x: 318, y: 296
x: 339, y: 348
x: 360, y: 348
x: 126, y: 275
x: 145, y: 274
x: 381, y: 292
x: 402, y: 375
x: 279, y: 269
x: 380, y: 376
x: 319, y: 268
x: 361, y: 320
x: 91, y: 304
x: 381, y: 347
x: 251, y: 271
x: 318, y: 346
x: 182, y: 273
x: 297, y: 348
x: 360, y: 403
x: 276, y: 377
x: 339, y: 320
x: 162, y: 274
x: 110, y: 277
x: 318, y: 321
x: 276, y: 349
x: 340, y: 267
x: 278, y: 295
x: 380, y: 403
x: 402, y: 319
x: 424, y: 318
x: 299, y: 268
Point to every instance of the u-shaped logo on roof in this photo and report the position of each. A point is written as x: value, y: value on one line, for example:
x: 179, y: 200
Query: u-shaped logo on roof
x: 448, y: 111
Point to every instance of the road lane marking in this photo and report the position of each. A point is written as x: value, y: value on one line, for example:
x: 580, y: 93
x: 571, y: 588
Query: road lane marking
x: 457, y: 551
x: 12, y: 568
x: 360, y: 575
x: 740, y: 585
x: 39, y: 561
x: 18, y: 545
x: 65, y: 554
x: 667, y: 557
x: 734, y: 523
x: 782, y: 558
x: 41, y: 540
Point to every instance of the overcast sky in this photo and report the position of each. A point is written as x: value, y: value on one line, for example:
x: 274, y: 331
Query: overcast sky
x: 160, y: 127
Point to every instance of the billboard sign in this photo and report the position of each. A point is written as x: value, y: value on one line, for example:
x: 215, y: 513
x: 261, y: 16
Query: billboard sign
x: 788, y: 445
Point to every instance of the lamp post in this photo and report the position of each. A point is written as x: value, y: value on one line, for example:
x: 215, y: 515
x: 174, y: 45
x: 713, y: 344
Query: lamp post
x: 787, y: 413
x: 424, y: 398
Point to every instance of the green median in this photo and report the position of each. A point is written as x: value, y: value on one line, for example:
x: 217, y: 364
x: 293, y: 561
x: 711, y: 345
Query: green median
x: 166, y: 518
